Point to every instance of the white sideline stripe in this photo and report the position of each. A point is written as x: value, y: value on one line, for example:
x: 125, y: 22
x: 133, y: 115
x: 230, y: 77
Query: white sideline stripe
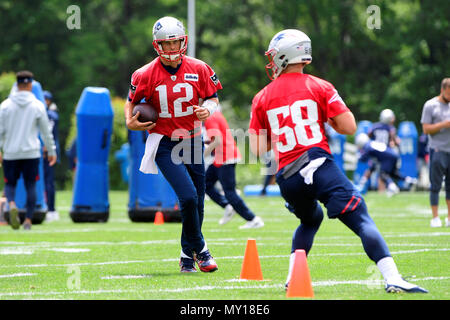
x: 16, y: 275
x: 28, y: 251
x: 70, y: 250
x: 204, y: 288
x: 126, y: 277
x: 16, y: 251
x: 93, y: 243
x: 217, y: 258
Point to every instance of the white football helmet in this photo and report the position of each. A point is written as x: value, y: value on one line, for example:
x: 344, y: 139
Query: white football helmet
x: 287, y: 47
x: 387, y: 116
x: 168, y: 28
x: 361, y: 140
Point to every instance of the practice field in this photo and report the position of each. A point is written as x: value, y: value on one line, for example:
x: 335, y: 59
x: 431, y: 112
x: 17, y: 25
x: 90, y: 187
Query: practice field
x: 125, y: 260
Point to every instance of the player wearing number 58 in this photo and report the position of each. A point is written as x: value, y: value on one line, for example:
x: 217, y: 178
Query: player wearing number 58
x: 288, y: 115
x: 175, y: 84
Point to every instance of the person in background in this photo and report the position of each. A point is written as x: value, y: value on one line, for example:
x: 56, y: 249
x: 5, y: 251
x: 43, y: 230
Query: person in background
x: 436, y: 124
x: 71, y: 153
x: 49, y: 171
x: 384, y: 131
x: 269, y: 178
x: 223, y: 169
x: 387, y: 159
x: 22, y: 118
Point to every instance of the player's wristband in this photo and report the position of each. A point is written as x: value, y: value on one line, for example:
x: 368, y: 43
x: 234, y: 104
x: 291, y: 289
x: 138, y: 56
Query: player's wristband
x: 211, y: 105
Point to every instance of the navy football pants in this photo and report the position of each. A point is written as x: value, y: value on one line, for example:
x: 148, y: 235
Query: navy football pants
x: 49, y: 180
x: 181, y: 163
x: 29, y: 168
x: 226, y: 174
x: 331, y: 187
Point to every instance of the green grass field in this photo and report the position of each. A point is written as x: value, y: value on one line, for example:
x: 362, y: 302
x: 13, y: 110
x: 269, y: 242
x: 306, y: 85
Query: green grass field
x: 125, y: 260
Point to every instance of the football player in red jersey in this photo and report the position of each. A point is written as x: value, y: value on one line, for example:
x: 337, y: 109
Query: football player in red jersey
x: 175, y: 84
x: 223, y: 169
x: 288, y: 115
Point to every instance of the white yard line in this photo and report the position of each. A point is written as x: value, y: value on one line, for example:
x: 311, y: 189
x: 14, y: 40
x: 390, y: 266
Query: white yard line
x: 125, y: 277
x: 279, y: 286
x: 16, y: 275
x: 217, y: 258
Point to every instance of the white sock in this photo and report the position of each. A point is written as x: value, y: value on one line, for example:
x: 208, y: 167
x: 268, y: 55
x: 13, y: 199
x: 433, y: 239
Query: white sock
x: 204, y: 248
x: 184, y: 255
x: 291, y: 266
x: 388, y: 269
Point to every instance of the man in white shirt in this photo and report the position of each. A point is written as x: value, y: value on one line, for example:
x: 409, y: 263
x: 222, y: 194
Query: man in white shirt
x: 22, y: 118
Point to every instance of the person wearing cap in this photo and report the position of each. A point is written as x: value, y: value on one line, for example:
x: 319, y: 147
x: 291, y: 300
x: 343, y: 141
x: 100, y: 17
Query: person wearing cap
x: 22, y: 118
x: 49, y: 171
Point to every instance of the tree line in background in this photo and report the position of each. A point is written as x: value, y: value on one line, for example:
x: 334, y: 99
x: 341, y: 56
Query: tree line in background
x: 397, y: 62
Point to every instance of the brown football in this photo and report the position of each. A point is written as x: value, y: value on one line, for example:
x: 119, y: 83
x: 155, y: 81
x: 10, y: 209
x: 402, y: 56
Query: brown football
x: 147, y: 112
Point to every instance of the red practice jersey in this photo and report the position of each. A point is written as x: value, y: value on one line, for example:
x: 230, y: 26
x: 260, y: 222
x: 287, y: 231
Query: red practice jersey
x: 293, y: 109
x: 174, y: 95
x: 227, y: 152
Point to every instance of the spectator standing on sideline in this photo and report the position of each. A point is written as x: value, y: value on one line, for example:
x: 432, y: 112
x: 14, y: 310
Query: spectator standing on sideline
x: 174, y: 84
x: 22, y: 118
x: 436, y: 123
x: 289, y: 115
x: 49, y: 171
x: 223, y: 169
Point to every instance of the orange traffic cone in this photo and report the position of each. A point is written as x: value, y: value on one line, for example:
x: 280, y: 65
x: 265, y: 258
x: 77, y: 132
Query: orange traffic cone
x: 251, y: 268
x: 300, y: 283
x: 159, y: 218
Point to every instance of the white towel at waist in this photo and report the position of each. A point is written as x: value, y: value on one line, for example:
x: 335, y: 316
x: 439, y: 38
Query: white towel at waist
x: 308, y: 171
x: 148, y: 164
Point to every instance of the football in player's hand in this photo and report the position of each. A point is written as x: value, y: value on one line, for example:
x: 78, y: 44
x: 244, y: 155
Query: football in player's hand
x: 147, y: 112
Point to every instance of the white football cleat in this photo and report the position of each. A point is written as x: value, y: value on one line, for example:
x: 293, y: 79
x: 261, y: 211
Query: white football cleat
x: 435, y: 223
x: 253, y: 224
x: 228, y: 214
x: 392, y: 189
x: 398, y: 285
x: 52, y: 216
x: 447, y: 223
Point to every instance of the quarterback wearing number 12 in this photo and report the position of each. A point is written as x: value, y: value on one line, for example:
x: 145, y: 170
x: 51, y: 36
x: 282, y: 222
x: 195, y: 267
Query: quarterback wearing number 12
x: 175, y: 84
x: 289, y: 115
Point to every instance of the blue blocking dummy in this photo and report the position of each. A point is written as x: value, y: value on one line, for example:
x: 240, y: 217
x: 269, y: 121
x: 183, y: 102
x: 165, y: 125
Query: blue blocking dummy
x: 148, y: 193
x: 407, y: 133
x: 94, y: 128
x: 21, y: 194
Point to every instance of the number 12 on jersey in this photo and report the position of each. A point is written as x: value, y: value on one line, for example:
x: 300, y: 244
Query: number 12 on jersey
x: 298, y: 134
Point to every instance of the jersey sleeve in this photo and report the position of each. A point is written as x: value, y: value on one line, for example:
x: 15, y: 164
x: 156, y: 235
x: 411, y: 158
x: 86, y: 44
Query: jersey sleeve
x: 137, y: 87
x: 334, y: 103
x: 211, y: 82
